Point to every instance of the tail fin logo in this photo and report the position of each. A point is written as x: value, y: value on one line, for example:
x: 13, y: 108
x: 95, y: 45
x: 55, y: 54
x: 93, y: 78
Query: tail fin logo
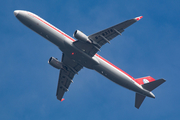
x: 145, y: 81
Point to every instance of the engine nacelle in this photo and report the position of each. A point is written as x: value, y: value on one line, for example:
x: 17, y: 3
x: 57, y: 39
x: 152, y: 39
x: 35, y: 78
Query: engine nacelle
x: 81, y: 36
x: 55, y: 63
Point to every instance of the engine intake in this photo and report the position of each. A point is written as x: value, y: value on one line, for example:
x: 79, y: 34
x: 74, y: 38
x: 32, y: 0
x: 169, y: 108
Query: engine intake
x: 55, y: 63
x: 81, y: 36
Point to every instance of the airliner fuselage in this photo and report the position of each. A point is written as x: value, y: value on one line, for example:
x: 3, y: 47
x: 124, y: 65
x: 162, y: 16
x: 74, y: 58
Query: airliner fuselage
x: 66, y: 44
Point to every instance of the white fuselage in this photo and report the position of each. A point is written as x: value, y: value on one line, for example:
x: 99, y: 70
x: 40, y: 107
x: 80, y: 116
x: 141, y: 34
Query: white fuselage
x: 65, y: 44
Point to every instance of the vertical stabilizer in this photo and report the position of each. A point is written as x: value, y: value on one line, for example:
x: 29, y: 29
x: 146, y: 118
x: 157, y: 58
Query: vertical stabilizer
x: 139, y: 99
x: 144, y: 80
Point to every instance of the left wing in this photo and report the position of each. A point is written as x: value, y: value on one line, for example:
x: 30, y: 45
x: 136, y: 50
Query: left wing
x: 70, y: 68
x: 100, y: 38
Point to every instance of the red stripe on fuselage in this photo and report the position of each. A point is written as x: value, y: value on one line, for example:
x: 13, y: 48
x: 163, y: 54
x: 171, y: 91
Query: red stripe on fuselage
x: 74, y: 40
x: 51, y: 26
x: 114, y: 66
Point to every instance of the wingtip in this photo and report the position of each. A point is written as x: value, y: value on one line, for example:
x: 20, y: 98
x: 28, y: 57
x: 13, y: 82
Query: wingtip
x: 138, y: 18
x: 62, y: 99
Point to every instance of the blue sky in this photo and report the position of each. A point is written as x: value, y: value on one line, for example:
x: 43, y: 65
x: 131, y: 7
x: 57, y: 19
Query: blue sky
x: 149, y: 47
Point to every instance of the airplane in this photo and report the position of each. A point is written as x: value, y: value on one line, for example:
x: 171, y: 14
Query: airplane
x: 83, y: 53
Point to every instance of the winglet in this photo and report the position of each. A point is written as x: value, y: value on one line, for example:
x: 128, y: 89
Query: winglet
x: 62, y: 99
x: 138, y: 18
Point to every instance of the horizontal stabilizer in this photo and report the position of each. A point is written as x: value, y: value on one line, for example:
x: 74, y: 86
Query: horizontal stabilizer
x: 139, y: 99
x: 152, y: 85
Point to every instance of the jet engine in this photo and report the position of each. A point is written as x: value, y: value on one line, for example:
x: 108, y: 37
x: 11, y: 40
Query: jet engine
x: 55, y: 63
x: 81, y: 36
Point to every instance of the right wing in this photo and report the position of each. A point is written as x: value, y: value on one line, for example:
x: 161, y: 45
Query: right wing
x: 100, y: 38
x: 70, y: 68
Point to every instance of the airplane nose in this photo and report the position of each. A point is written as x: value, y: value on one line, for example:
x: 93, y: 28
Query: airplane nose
x: 16, y: 12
